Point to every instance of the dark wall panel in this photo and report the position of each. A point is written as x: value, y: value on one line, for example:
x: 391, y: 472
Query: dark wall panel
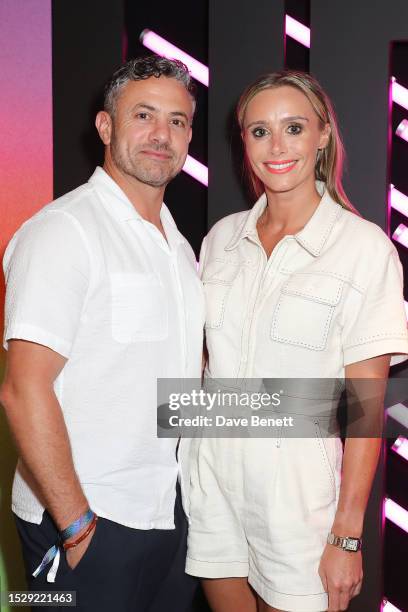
x: 245, y: 40
x: 87, y: 47
x: 350, y: 56
x: 186, y: 26
x: 296, y: 55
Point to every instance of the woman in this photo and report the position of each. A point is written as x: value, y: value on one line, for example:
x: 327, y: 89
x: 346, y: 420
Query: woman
x: 298, y: 287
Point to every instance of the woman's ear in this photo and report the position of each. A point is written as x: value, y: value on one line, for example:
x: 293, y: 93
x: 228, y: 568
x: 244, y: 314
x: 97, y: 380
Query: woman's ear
x: 324, y: 136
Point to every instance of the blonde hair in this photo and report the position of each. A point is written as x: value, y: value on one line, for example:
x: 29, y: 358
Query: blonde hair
x: 329, y: 163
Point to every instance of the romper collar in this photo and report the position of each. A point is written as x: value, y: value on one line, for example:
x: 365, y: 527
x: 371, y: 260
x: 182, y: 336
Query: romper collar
x: 312, y: 237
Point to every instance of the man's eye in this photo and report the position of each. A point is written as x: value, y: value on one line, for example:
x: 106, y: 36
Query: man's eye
x: 178, y: 122
x: 295, y: 129
x: 142, y: 115
x: 259, y: 132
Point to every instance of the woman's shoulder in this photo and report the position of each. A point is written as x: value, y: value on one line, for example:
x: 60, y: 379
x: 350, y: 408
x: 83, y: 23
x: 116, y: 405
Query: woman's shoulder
x: 229, y: 223
x: 365, y: 234
x: 227, y: 227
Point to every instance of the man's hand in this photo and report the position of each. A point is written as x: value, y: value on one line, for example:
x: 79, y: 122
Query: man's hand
x: 341, y: 573
x: 74, y: 555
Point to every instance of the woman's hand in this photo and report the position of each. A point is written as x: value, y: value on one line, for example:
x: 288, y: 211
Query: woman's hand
x: 341, y: 573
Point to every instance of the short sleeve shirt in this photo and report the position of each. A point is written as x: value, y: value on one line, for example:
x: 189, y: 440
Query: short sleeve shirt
x: 327, y: 297
x: 89, y: 278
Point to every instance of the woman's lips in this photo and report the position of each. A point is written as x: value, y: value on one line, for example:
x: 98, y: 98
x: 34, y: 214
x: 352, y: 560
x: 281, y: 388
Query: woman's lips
x: 280, y: 167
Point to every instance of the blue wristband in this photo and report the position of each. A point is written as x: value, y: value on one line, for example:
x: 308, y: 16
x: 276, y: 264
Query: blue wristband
x: 53, y: 554
x: 77, y: 525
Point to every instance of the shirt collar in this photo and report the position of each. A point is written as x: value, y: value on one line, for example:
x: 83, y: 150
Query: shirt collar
x: 314, y: 234
x: 118, y: 204
x: 112, y: 196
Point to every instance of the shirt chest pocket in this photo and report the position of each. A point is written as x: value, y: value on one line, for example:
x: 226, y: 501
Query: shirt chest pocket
x: 305, y: 309
x: 139, y: 307
x: 218, y: 278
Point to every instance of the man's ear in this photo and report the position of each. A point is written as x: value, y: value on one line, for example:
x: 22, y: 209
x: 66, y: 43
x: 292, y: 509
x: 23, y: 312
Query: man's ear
x: 103, y: 123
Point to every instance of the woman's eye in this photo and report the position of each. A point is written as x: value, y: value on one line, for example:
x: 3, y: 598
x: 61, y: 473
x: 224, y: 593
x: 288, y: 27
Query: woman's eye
x: 259, y: 132
x: 294, y: 129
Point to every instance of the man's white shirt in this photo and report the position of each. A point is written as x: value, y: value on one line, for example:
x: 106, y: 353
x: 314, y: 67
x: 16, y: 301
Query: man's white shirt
x: 89, y: 278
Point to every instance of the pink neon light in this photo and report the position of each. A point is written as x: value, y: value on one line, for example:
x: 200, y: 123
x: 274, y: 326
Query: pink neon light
x: 159, y: 45
x: 399, y: 200
x: 388, y: 607
x: 399, y: 94
x: 402, y: 130
x: 399, y: 412
x: 297, y: 31
x: 400, y: 447
x: 401, y: 235
x: 396, y: 513
x: 196, y: 169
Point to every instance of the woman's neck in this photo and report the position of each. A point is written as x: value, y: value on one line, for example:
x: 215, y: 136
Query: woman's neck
x: 289, y: 211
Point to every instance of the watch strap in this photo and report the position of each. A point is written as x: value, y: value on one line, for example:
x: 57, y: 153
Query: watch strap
x: 348, y: 543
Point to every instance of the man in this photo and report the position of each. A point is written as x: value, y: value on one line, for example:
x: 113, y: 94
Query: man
x: 102, y: 299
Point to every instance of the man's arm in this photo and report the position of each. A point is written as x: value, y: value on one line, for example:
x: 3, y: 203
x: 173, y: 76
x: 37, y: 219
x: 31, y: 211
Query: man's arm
x: 37, y: 424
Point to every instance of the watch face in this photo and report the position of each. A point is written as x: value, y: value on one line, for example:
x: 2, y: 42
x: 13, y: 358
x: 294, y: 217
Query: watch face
x: 352, y: 544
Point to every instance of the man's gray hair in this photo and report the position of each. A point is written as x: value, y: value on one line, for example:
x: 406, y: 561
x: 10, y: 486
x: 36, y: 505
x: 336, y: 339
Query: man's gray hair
x: 144, y: 68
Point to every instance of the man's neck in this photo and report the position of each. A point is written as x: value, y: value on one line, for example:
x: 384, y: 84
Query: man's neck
x: 146, y: 199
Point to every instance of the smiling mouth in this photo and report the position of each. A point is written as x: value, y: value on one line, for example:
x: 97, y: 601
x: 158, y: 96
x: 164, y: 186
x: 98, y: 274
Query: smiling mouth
x: 280, y: 167
x: 156, y: 154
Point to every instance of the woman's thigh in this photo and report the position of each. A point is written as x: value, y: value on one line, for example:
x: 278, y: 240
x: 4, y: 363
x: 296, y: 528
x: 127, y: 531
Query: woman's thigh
x: 226, y: 594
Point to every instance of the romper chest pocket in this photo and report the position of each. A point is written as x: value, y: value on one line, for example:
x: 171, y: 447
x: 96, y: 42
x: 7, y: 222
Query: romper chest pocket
x: 305, y: 309
x: 139, y: 307
x: 218, y: 277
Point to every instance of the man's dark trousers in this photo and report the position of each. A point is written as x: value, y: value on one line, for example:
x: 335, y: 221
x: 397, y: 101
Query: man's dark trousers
x: 123, y: 569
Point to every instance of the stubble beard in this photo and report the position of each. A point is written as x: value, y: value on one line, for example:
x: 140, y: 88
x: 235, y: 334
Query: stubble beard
x: 146, y: 170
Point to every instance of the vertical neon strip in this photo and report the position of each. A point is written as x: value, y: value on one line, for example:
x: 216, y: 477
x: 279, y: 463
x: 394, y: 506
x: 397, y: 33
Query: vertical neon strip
x: 389, y: 154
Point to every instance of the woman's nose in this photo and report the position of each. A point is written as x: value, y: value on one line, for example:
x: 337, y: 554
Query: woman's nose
x: 277, y: 144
